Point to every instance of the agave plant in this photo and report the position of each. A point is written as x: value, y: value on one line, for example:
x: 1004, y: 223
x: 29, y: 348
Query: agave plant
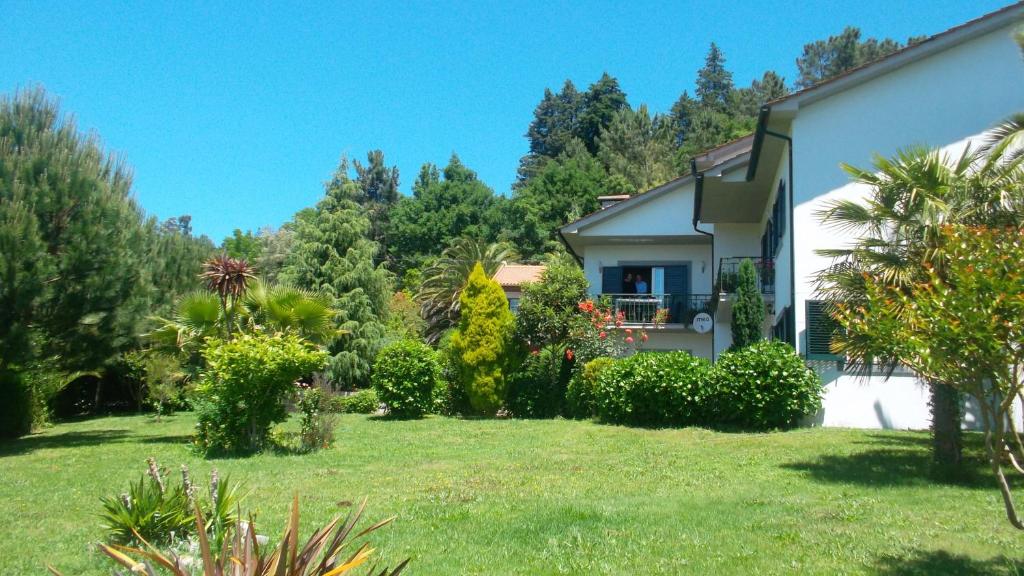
x: 241, y: 553
x: 228, y: 278
x: 438, y: 294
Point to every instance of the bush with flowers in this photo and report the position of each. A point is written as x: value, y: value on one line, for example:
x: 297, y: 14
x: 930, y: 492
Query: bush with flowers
x: 243, y: 391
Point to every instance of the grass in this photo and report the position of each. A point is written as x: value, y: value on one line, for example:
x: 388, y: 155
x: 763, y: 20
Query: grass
x: 548, y: 497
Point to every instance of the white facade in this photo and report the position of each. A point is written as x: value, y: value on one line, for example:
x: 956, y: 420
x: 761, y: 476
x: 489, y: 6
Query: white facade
x: 945, y: 92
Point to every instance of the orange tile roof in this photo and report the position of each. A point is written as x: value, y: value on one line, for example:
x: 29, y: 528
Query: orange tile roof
x: 517, y: 274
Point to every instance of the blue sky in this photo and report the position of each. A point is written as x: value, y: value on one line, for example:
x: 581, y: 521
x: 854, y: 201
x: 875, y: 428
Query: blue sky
x: 236, y: 113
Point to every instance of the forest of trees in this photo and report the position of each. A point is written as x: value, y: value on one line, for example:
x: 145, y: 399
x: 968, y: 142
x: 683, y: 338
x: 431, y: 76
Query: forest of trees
x: 84, y: 270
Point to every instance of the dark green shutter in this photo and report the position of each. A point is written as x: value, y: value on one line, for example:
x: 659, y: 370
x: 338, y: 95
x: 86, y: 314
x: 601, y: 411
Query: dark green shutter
x: 611, y: 280
x: 820, y: 330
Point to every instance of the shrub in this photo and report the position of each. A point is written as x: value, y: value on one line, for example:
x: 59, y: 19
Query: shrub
x: 653, y: 389
x: 580, y: 392
x: 549, y: 308
x: 161, y: 513
x: 404, y: 376
x: 763, y: 386
x: 316, y: 427
x: 361, y: 402
x: 537, y: 389
x: 481, y: 344
x: 164, y: 375
x: 323, y: 554
x: 244, y: 388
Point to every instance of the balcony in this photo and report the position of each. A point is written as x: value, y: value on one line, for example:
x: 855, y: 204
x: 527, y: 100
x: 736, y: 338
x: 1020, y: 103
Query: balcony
x: 729, y: 274
x: 640, y: 309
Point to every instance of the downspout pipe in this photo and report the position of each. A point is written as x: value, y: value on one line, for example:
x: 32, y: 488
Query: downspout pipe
x: 698, y: 198
x: 792, y: 227
x: 569, y: 248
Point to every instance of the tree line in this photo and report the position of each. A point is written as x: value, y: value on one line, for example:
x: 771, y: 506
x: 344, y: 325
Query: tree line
x: 83, y: 270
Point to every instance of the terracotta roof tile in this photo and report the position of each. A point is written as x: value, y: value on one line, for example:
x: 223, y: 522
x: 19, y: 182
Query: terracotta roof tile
x: 517, y: 274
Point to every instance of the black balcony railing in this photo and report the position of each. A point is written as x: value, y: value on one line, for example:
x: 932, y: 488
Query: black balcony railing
x: 729, y: 274
x: 643, y: 308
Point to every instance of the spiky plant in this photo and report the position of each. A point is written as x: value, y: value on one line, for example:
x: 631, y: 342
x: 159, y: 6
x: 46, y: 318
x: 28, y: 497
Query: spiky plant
x: 228, y: 278
x: 240, y: 554
x: 438, y: 293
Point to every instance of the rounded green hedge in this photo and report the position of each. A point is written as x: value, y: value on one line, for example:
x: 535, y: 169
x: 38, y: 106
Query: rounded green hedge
x: 404, y: 376
x: 763, y: 386
x: 653, y: 389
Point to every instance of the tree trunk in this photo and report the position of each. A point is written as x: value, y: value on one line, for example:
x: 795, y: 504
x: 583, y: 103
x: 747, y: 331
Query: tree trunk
x: 947, y: 413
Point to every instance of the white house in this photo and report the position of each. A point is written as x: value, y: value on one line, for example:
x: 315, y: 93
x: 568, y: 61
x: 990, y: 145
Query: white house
x: 757, y: 197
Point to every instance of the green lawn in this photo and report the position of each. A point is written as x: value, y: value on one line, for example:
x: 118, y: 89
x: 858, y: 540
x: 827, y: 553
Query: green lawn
x: 548, y: 497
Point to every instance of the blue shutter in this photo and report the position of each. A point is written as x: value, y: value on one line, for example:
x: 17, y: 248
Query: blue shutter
x: 677, y: 285
x: 611, y: 280
x: 820, y: 330
x: 676, y: 280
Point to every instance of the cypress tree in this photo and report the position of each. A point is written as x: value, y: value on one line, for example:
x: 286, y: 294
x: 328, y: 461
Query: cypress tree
x: 748, y: 309
x: 482, y: 343
x: 333, y: 253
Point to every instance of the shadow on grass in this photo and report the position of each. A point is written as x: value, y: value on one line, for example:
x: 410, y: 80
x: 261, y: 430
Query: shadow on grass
x: 35, y: 442
x: 922, y: 563
x: 897, y: 460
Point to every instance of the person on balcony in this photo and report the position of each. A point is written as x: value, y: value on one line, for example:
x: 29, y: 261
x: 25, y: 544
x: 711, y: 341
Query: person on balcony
x: 627, y: 285
x: 641, y: 286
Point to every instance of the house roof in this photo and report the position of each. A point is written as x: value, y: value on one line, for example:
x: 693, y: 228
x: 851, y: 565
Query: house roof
x: 906, y: 55
x: 750, y: 144
x: 514, y: 275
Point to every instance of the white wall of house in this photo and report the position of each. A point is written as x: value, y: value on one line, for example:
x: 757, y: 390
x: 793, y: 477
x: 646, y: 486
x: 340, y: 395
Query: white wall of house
x: 664, y: 340
x: 668, y: 214
x: 698, y: 255
x: 945, y: 100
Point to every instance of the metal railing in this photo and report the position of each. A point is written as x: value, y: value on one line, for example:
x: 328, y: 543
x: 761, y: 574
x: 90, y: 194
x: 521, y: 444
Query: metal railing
x: 642, y: 308
x: 729, y: 274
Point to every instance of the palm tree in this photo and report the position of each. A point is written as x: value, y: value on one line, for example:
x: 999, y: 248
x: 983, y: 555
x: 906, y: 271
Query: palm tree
x: 278, y: 308
x: 438, y: 293
x: 228, y: 278
x: 897, y: 230
x: 266, y: 307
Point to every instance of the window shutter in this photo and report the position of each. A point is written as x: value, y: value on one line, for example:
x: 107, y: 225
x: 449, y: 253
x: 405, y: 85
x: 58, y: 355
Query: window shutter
x: 611, y: 280
x: 676, y: 280
x: 820, y: 330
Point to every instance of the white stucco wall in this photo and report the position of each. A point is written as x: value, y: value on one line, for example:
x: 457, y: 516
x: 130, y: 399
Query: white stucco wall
x: 668, y: 214
x: 696, y: 344
x: 943, y: 101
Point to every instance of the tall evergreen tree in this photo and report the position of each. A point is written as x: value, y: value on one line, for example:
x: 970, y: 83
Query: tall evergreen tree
x: 443, y: 207
x: 482, y: 344
x: 638, y: 148
x: 824, y: 59
x: 333, y: 254
x: 72, y: 281
x: 714, y: 81
x: 602, y: 101
x: 748, y: 309
x: 378, y: 192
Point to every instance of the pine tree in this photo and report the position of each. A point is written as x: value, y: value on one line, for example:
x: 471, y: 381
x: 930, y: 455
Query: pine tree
x: 824, y: 59
x: 72, y: 275
x: 602, y: 101
x: 482, y: 342
x: 333, y: 254
x: 378, y: 192
x: 748, y: 309
x: 714, y: 82
x: 638, y: 148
